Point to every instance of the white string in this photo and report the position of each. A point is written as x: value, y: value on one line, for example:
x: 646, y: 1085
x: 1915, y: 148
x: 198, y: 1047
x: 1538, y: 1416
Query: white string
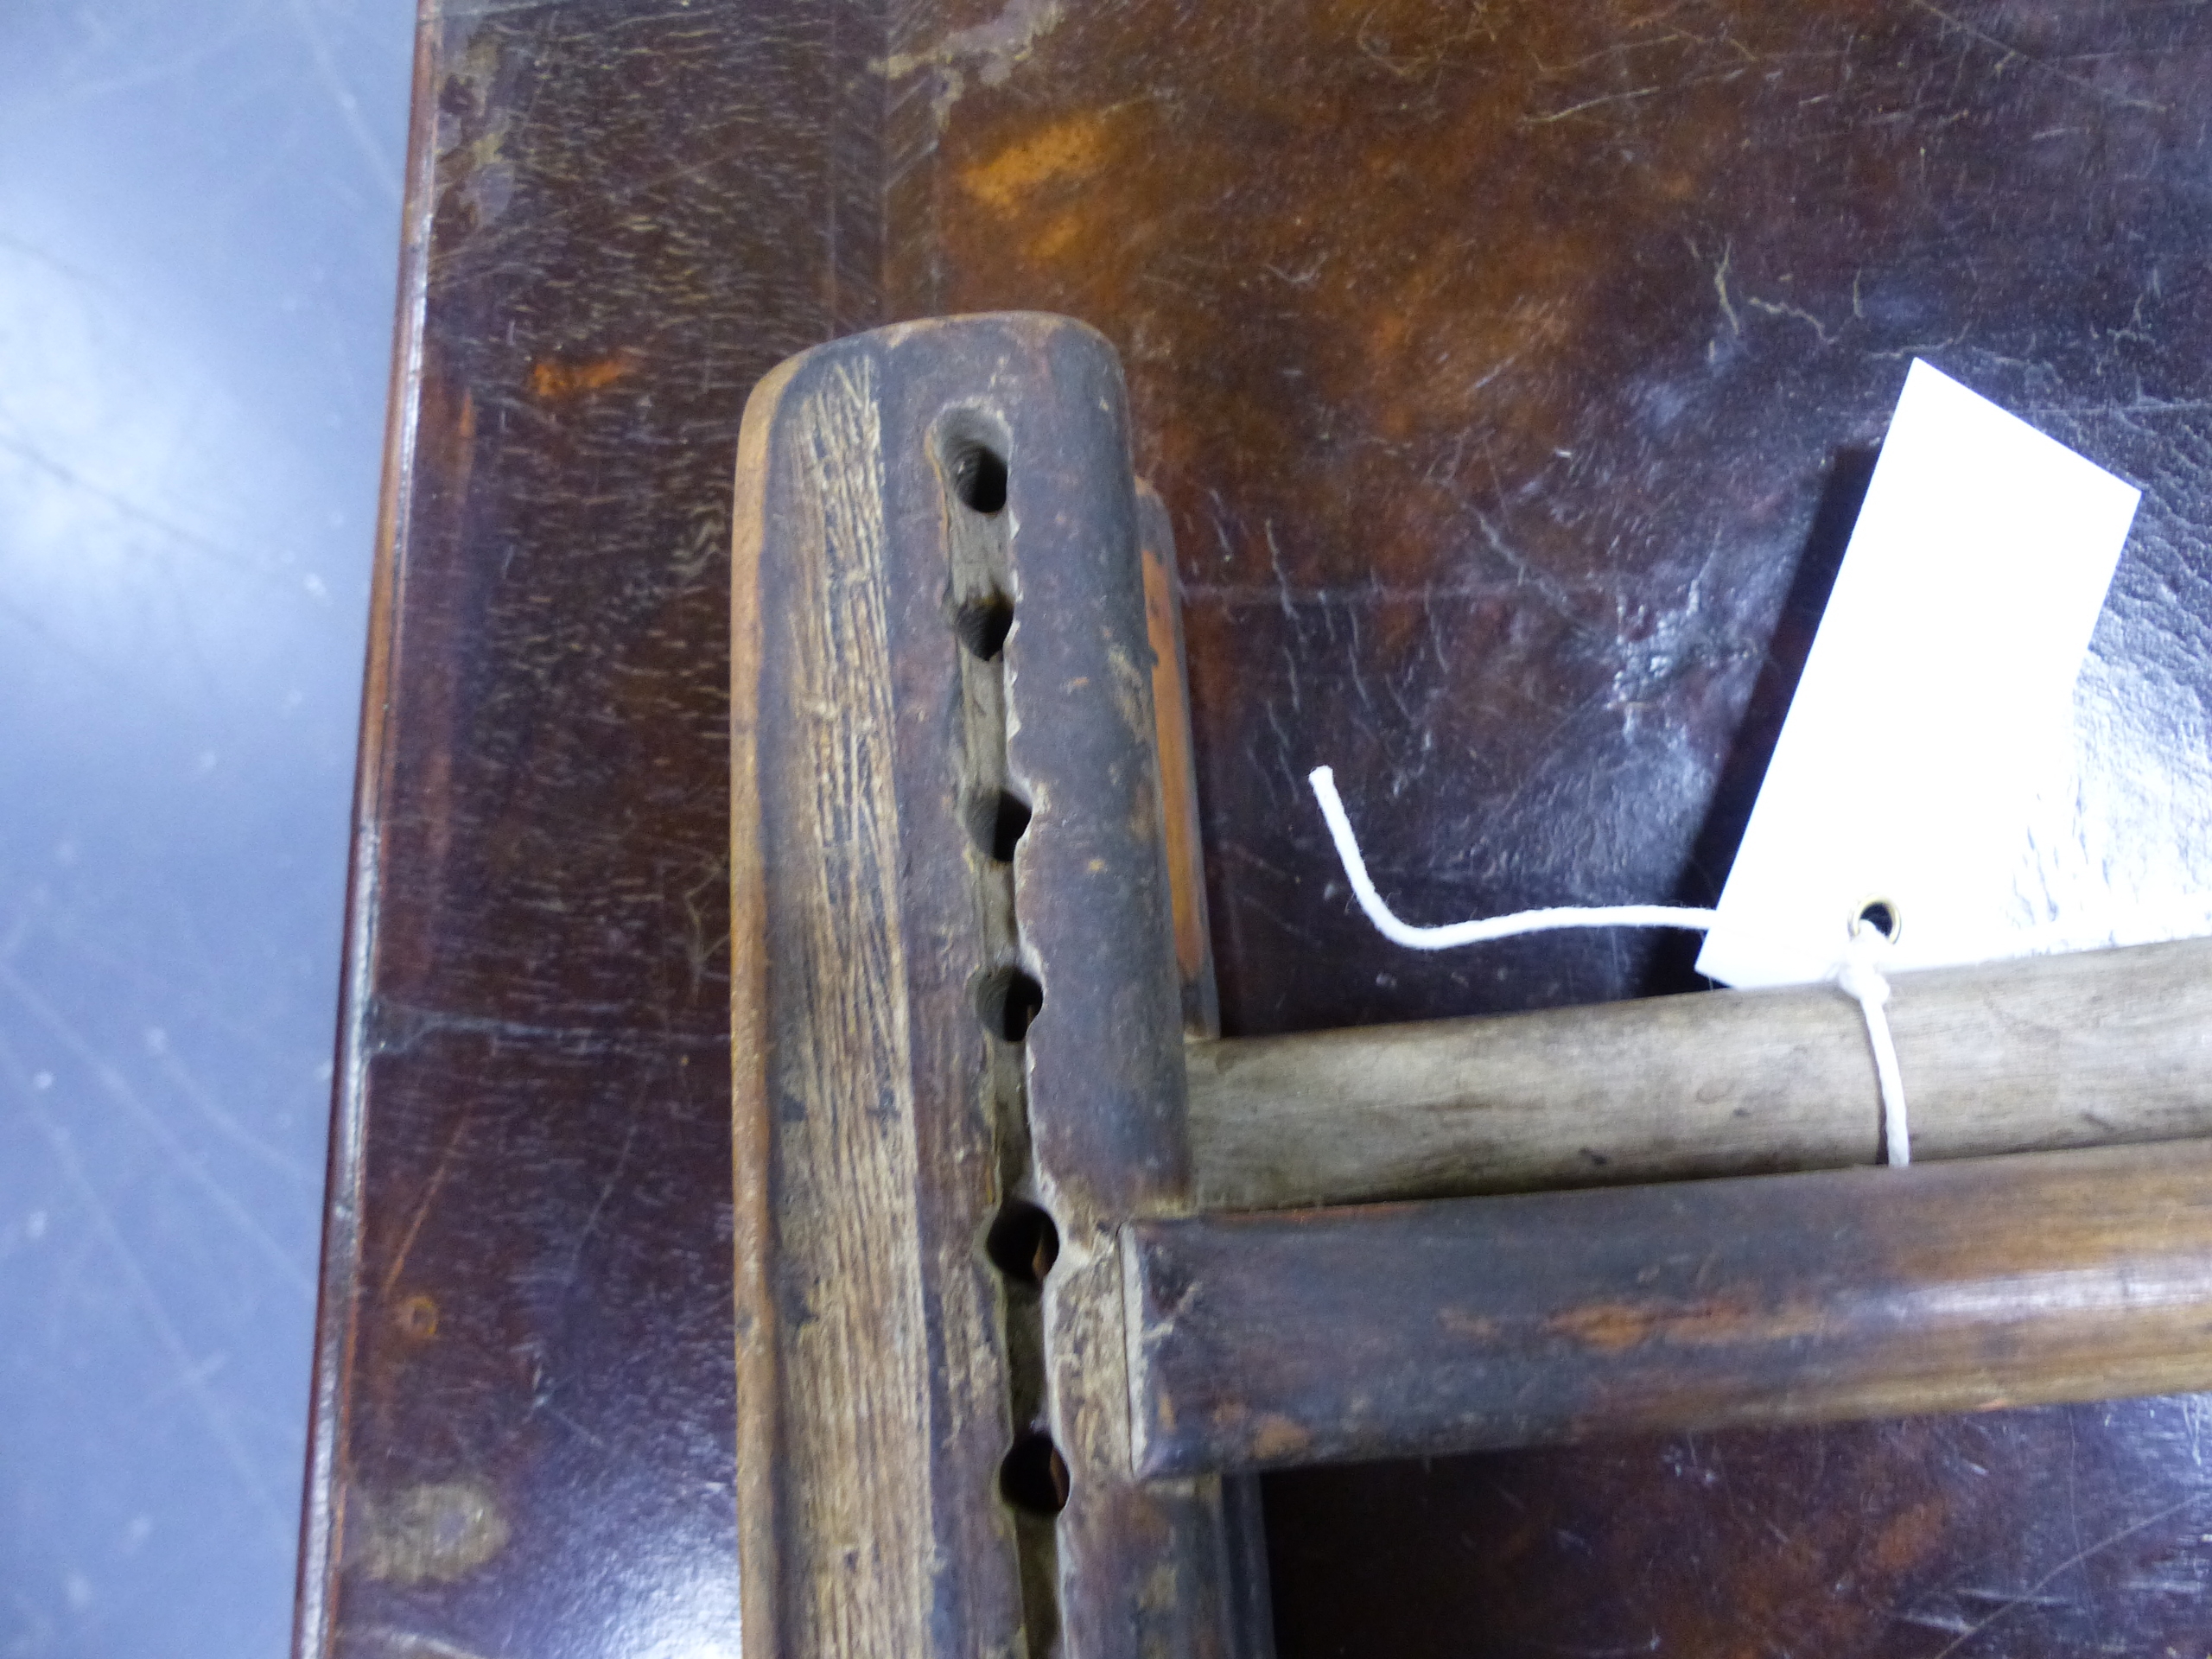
x: 1859, y: 975
x: 1492, y: 927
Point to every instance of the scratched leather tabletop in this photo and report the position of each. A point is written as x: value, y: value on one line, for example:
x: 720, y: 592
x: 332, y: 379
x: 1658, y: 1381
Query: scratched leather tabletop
x: 1510, y: 374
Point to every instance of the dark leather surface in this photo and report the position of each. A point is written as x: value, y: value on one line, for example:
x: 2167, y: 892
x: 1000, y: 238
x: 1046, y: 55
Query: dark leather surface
x: 1508, y: 374
x: 1512, y: 380
x: 2029, y: 1534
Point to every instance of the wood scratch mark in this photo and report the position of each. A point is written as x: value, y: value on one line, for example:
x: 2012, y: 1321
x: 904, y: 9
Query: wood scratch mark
x: 429, y: 1196
x: 100, y: 672
x: 2008, y: 53
x: 1720, y: 286
x: 1588, y: 104
x: 1775, y: 309
x: 1282, y: 578
x: 1950, y: 1624
x: 599, y: 1206
x: 991, y: 51
x: 2028, y: 1596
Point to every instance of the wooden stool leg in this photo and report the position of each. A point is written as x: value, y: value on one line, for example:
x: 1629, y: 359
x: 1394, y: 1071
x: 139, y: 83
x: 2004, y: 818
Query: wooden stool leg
x: 955, y: 1010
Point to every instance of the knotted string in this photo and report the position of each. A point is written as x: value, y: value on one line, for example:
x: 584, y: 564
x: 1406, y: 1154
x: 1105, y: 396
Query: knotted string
x: 1859, y: 975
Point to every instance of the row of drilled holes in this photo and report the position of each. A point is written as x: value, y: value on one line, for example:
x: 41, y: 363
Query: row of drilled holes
x: 1022, y: 1243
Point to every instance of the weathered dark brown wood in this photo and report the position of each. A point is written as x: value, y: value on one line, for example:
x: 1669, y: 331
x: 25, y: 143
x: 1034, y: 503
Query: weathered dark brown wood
x: 2088, y: 1048
x: 1141, y: 1569
x: 941, y: 672
x: 873, y: 1383
x: 1409, y: 1329
x: 1507, y: 376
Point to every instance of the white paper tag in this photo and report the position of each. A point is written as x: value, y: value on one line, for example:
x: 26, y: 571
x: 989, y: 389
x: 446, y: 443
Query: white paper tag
x: 1936, y: 706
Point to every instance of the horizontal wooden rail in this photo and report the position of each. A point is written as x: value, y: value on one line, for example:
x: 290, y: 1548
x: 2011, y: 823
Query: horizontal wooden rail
x: 1403, y: 1330
x: 2087, y: 1049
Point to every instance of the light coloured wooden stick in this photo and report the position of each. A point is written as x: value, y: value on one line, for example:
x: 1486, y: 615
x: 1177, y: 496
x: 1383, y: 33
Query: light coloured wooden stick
x: 2085, y: 1049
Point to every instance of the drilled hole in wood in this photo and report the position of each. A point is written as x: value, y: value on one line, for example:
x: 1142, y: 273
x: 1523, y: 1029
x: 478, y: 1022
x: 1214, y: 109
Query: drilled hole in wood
x: 995, y: 821
x: 1007, y: 1000
x: 977, y: 473
x: 1033, y: 1477
x: 1023, y: 1244
x: 983, y: 624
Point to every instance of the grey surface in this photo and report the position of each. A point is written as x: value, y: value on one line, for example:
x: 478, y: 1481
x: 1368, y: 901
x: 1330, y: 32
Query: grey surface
x: 198, y: 227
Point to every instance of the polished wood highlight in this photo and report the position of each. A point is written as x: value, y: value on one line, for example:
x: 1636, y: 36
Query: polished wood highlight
x: 1179, y: 777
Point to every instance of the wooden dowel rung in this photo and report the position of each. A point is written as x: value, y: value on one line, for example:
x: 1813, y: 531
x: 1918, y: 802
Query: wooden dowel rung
x: 1407, y: 1329
x: 2087, y: 1049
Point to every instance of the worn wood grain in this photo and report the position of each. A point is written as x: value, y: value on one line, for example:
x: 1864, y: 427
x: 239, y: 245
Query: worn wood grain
x: 1508, y: 378
x: 1411, y: 1330
x: 857, y: 1458
x: 2088, y: 1048
x: 965, y: 957
x: 758, y: 1563
x: 1143, y: 1569
x: 874, y: 1390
